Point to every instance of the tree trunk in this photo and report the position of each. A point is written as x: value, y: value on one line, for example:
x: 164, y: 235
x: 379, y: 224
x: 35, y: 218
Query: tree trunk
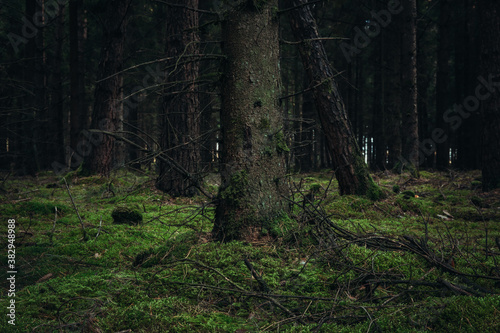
x: 78, y: 109
x: 107, y: 101
x: 490, y: 70
x: 56, y: 126
x: 379, y: 123
x: 469, y: 148
x: 351, y: 171
x: 442, y: 83
x: 34, y: 117
x: 409, y: 131
x: 306, y: 154
x: 253, y: 145
x: 393, y: 98
x: 181, y: 119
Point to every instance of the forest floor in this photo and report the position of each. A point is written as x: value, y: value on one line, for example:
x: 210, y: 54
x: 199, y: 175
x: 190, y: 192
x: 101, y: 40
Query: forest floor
x: 426, y: 258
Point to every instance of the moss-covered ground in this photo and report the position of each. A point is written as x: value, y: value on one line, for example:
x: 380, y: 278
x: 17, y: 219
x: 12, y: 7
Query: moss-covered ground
x: 166, y: 275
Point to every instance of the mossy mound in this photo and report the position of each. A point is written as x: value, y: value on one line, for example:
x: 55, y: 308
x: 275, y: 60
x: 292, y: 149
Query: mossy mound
x: 126, y: 215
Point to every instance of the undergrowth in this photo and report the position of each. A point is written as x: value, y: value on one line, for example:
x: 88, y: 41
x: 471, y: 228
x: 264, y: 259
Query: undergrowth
x: 167, y: 275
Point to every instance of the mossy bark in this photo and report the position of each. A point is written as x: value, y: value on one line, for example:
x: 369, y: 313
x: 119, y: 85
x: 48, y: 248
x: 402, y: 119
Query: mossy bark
x: 350, y: 169
x: 252, y: 165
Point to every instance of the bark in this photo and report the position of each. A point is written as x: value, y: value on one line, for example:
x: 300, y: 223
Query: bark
x: 409, y: 131
x: 253, y: 145
x: 490, y: 70
x: 351, y: 171
x: 181, y: 115
x: 108, y: 110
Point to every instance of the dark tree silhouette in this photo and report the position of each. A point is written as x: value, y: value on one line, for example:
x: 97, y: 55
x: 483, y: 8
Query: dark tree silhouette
x: 490, y: 68
x: 180, y: 129
x: 351, y: 171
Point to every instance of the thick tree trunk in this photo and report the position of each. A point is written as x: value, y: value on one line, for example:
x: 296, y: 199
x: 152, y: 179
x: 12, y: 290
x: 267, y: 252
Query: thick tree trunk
x: 409, y: 131
x: 351, y: 171
x: 108, y: 110
x: 490, y: 70
x: 253, y: 145
x: 180, y: 138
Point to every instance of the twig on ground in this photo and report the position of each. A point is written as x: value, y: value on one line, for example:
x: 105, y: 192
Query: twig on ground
x: 257, y: 277
x: 54, y: 226
x: 84, y: 232
x: 99, y: 230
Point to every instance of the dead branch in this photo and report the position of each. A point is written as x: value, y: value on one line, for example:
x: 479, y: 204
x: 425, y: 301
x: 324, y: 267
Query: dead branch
x: 84, y: 232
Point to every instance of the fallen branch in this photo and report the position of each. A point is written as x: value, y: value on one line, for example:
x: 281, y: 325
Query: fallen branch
x: 262, y: 283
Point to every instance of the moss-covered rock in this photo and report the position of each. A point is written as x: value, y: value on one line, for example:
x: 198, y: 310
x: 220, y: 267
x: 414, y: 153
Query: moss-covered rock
x: 126, y: 215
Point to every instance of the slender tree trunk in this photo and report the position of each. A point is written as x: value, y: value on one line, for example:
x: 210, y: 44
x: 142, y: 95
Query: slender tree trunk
x: 351, y: 171
x: 181, y: 119
x: 32, y: 141
x: 253, y: 145
x: 490, y: 71
x: 393, y: 98
x: 469, y: 148
x: 442, y: 83
x: 119, y: 149
x: 78, y: 109
x: 297, y: 115
x: 108, y: 109
x: 409, y: 131
x: 208, y: 126
x: 306, y: 154
x: 56, y: 126
x: 461, y: 43
x: 360, y: 106
x: 379, y: 124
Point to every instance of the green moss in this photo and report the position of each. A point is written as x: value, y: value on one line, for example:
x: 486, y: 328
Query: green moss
x: 126, y: 215
x: 174, y: 249
x: 314, y: 187
x: 279, y: 141
x: 236, y: 188
x: 41, y: 208
x: 408, y: 194
x: 374, y: 192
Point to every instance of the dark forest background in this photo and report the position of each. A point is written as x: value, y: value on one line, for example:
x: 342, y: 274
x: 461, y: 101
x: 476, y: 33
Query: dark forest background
x: 57, y: 56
